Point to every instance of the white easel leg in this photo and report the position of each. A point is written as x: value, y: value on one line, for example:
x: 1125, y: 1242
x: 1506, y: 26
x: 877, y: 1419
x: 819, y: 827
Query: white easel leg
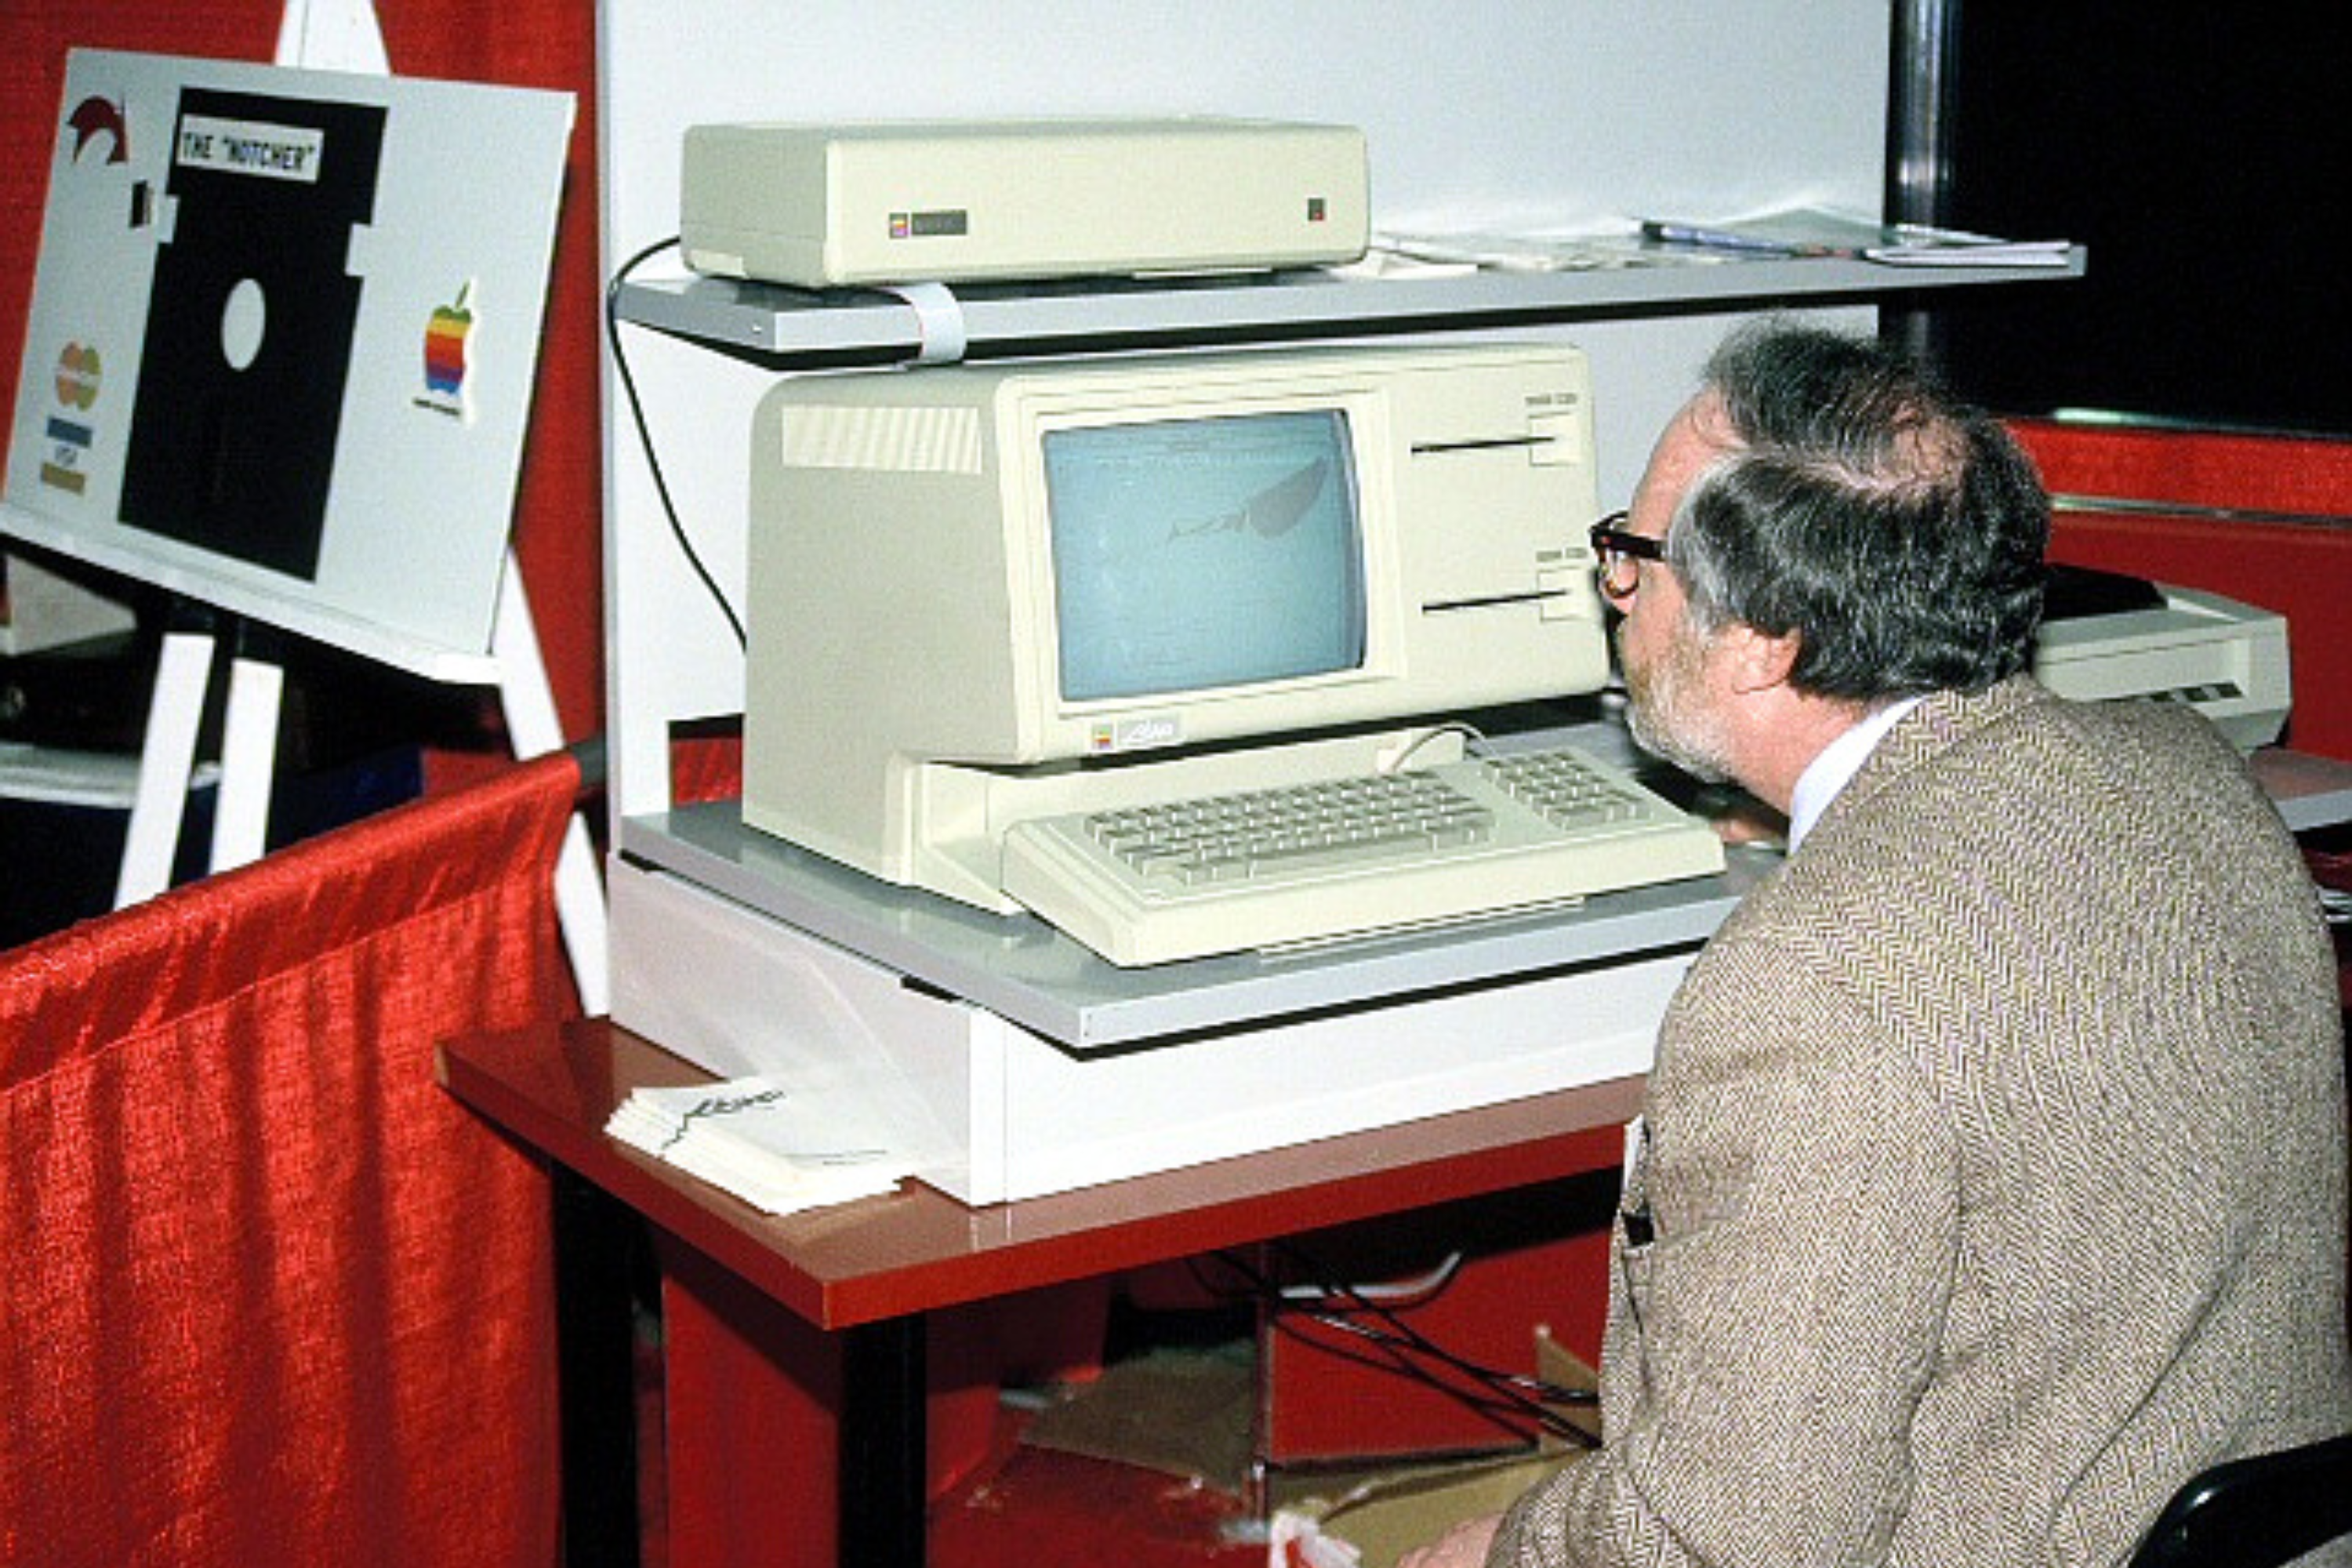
x: 331, y: 34
x: 533, y: 728
x: 167, y: 754
x: 248, y: 761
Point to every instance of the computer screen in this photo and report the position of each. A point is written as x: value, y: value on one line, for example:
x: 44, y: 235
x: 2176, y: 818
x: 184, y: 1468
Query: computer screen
x: 1191, y: 554
x: 981, y: 592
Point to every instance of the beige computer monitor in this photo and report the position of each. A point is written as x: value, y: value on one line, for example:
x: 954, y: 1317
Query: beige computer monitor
x: 978, y: 593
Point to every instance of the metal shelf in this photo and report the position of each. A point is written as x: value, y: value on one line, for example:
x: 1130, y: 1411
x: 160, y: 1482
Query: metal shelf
x: 1024, y: 971
x: 785, y: 326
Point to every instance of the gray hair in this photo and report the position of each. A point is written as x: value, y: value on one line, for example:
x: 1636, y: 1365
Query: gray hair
x: 1896, y: 532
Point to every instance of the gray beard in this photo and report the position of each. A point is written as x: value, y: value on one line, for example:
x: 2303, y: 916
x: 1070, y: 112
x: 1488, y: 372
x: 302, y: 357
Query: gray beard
x: 1659, y: 741
x: 1656, y: 712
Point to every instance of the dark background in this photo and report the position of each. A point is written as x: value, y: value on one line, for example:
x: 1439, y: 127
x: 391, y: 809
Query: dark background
x: 2202, y: 157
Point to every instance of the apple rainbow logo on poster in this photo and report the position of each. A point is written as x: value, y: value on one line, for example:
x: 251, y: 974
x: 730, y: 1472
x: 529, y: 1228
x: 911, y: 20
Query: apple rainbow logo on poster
x: 447, y: 337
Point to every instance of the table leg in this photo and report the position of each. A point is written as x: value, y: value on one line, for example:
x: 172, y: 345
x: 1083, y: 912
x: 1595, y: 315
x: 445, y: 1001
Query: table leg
x: 884, y: 1441
x: 787, y: 1447
x: 596, y: 1349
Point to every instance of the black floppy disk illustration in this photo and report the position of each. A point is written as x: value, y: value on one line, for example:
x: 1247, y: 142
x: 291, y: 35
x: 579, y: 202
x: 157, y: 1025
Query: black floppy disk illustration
x: 250, y: 325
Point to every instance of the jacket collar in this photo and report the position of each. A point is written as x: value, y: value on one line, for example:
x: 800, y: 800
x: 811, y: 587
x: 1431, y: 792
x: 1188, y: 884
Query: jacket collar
x: 1931, y: 729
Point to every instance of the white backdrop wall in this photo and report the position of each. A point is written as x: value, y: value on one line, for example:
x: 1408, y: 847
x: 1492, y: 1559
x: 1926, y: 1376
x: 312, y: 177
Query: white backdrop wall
x: 1478, y: 114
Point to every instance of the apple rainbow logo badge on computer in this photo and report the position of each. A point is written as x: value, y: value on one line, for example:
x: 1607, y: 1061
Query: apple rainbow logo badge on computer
x: 446, y: 336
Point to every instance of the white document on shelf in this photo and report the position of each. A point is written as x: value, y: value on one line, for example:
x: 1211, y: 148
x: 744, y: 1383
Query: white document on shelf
x: 779, y: 1149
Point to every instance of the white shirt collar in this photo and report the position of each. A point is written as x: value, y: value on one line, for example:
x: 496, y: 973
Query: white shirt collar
x: 1839, y: 761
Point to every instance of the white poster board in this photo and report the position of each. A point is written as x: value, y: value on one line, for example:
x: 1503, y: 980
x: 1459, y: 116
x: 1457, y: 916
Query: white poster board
x: 282, y: 340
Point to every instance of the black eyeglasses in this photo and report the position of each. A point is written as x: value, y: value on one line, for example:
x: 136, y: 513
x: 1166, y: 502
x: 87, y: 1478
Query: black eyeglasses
x: 1616, y: 553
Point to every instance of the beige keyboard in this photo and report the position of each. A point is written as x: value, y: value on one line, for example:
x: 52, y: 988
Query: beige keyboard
x: 1309, y: 861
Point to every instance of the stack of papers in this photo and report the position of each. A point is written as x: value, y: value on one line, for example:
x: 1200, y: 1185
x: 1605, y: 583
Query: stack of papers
x: 1774, y: 233
x: 779, y: 1150
x: 1473, y: 251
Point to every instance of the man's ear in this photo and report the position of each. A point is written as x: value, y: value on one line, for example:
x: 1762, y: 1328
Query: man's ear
x: 1757, y: 661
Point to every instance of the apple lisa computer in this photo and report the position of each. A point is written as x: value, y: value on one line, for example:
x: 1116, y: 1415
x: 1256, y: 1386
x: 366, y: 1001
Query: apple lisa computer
x: 1172, y: 651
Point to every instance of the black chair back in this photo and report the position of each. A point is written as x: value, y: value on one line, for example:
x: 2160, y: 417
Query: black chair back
x: 2257, y: 1512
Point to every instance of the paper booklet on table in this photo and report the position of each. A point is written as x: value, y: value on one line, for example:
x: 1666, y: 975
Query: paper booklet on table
x: 780, y: 1150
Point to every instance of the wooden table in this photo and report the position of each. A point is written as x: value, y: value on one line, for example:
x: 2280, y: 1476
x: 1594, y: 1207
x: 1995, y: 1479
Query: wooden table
x: 794, y: 1345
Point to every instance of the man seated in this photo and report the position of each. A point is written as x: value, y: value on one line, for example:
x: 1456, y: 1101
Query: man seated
x: 1991, y: 1177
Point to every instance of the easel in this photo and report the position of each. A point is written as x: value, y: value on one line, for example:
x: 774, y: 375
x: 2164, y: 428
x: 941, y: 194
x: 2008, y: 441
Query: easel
x: 337, y: 35
x: 248, y: 756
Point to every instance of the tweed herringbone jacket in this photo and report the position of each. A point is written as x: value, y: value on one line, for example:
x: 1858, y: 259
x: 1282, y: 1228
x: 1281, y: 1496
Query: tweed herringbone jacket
x: 1991, y: 1179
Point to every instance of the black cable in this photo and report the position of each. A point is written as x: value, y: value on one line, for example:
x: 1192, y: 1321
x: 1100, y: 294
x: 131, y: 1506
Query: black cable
x: 1398, y: 1327
x: 1509, y: 1399
x: 1257, y: 1288
x: 1490, y: 1396
x: 1502, y: 1403
x: 644, y: 435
